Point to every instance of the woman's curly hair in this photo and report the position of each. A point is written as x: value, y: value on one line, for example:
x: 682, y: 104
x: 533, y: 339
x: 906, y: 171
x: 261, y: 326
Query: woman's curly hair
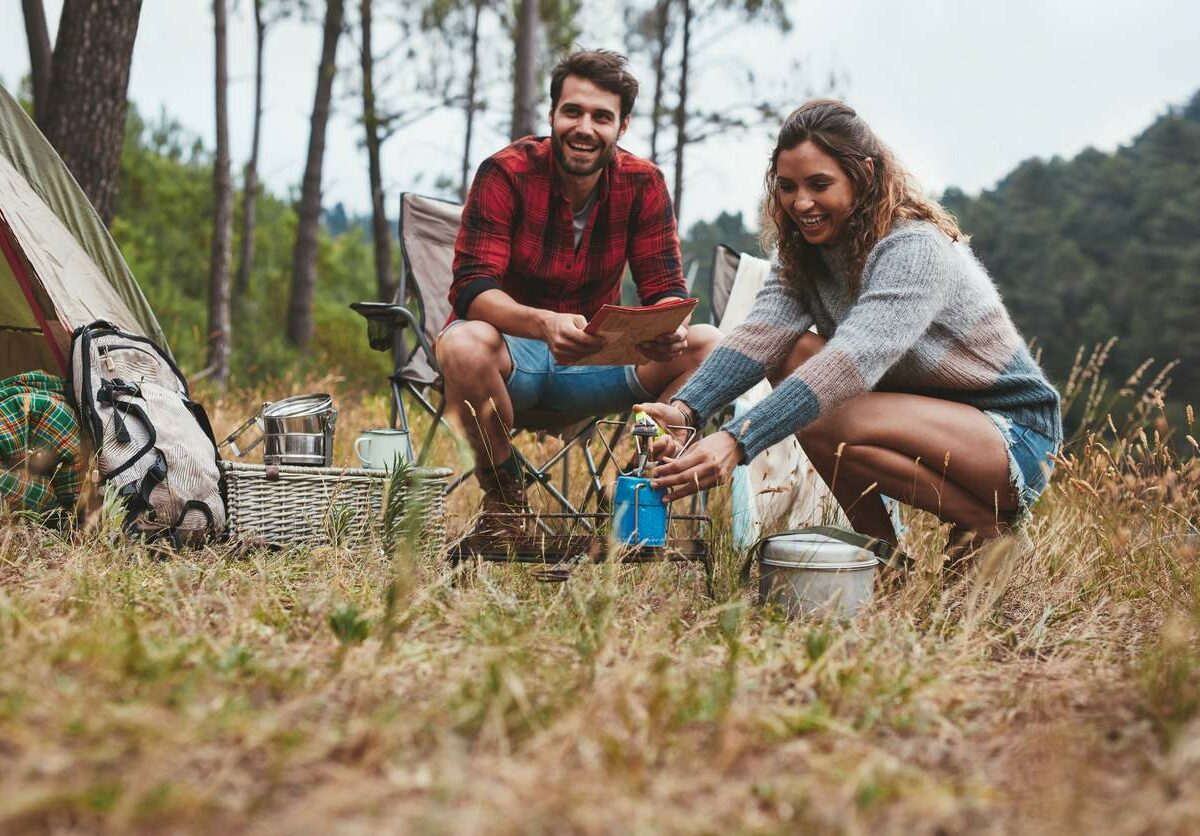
x: 884, y: 192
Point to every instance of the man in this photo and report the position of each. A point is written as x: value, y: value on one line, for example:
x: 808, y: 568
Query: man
x: 547, y: 231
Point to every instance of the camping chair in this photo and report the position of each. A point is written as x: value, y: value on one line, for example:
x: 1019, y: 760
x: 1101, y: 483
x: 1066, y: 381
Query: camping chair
x: 428, y: 229
x: 724, y: 271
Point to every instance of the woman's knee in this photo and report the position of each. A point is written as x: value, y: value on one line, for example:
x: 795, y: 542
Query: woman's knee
x: 807, y: 345
x: 819, y: 441
x: 702, y: 339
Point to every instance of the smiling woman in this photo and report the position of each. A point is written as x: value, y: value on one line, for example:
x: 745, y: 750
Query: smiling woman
x: 812, y: 190
x: 916, y: 384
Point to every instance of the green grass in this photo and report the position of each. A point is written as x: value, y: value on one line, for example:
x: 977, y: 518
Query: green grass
x: 1055, y: 690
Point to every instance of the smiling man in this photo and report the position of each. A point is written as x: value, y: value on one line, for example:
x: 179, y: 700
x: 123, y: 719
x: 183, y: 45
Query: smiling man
x: 548, y: 229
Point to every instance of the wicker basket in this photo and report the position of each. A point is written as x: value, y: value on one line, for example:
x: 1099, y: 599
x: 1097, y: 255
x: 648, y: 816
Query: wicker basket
x: 319, y: 506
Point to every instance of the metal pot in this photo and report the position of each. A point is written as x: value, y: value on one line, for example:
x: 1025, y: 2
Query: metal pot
x: 812, y: 574
x: 296, y: 430
x: 299, y: 430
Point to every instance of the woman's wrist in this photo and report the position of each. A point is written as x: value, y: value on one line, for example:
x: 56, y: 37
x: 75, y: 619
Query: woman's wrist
x: 690, y: 419
x: 739, y: 450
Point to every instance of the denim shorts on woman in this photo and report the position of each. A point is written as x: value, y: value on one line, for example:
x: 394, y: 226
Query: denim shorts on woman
x: 1029, y: 460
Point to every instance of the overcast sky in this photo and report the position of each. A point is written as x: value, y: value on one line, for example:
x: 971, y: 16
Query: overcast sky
x: 962, y: 90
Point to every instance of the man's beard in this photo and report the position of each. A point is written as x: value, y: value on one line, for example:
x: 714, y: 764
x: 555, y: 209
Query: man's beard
x: 560, y: 155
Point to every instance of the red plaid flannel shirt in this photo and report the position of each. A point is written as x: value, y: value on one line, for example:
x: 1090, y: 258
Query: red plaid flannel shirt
x: 517, y: 235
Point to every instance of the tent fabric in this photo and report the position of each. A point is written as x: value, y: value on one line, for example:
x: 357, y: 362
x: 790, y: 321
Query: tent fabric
x: 780, y: 489
x: 61, y: 240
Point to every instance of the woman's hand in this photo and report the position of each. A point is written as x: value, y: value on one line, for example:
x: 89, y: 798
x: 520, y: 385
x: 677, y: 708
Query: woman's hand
x: 667, y: 416
x: 703, y: 465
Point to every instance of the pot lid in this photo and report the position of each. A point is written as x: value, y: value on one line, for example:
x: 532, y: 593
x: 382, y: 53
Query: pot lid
x: 299, y: 405
x: 812, y: 549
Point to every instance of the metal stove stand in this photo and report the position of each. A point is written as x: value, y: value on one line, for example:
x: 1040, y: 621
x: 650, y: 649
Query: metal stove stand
x: 583, y: 541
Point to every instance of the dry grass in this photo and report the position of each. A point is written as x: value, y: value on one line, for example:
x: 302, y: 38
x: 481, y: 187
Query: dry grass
x: 1051, y: 691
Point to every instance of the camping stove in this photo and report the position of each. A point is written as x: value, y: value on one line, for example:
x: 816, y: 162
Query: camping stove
x: 636, y: 529
x: 641, y: 513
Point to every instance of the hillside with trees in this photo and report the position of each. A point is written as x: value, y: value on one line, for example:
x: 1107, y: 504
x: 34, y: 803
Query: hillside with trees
x: 1102, y: 246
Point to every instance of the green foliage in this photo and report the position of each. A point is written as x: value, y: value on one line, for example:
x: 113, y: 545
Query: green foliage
x: 1102, y: 245
x: 348, y: 625
x: 727, y: 228
x: 164, y: 229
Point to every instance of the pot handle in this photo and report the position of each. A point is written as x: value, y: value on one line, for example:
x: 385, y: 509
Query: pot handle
x: 358, y: 443
x: 231, y: 441
x: 885, y: 554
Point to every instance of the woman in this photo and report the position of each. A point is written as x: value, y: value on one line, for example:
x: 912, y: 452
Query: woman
x: 918, y: 386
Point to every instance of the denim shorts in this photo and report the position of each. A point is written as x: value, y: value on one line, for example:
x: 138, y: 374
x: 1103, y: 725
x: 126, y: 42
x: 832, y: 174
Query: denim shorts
x: 539, y: 383
x: 1029, y: 460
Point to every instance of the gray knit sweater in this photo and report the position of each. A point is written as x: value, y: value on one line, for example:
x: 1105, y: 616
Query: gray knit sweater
x: 927, y: 320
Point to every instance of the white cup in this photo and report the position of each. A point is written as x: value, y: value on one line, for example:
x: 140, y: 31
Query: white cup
x: 380, y: 449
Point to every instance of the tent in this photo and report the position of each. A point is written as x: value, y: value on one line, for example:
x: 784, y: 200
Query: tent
x: 59, y: 267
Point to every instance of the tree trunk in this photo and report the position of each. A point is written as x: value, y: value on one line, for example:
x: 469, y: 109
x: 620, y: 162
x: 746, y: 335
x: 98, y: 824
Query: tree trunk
x: 662, y: 13
x: 85, y: 118
x: 681, y: 113
x: 304, y: 261
x: 525, y: 81
x: 222, y: 243
x: 250, y: 179
x: 385, y: 285
x: 472, y: 78
x: 40, y: 54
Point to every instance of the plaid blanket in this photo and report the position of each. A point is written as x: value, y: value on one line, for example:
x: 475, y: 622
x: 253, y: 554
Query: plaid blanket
x: 41, y: 464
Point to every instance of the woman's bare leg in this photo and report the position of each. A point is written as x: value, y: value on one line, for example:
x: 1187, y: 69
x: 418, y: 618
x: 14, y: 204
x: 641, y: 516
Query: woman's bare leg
x: 943, y: 457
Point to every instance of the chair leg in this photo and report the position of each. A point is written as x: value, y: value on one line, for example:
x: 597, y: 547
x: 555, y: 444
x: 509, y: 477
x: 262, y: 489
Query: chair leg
x: 438, y: 413
x: 566, y: 471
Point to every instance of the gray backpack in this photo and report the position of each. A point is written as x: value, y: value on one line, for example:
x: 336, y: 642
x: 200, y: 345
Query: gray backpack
x: 153, y: 443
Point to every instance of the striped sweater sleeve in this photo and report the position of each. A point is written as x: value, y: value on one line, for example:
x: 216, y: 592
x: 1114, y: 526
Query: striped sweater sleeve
x: 756, y: 346
x: 904, y: 287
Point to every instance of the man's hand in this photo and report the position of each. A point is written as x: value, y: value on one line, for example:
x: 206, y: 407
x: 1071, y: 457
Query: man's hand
x: 665, y: 347
x: 568, y: 341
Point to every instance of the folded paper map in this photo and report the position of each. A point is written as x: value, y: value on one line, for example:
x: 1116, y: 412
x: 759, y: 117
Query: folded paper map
x: 624, y: 327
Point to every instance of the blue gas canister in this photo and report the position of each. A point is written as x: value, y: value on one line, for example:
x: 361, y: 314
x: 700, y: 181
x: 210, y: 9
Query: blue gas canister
x: 639, y: 512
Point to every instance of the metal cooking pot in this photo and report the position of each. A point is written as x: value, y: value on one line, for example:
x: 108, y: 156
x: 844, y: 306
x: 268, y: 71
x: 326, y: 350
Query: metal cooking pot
x: 296, y: 430
x: 816, y: 572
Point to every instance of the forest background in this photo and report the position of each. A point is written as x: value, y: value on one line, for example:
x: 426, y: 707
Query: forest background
x: 1084, y: 249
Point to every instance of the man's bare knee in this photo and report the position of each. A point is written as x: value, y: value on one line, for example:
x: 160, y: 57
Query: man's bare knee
x: 470, y: 349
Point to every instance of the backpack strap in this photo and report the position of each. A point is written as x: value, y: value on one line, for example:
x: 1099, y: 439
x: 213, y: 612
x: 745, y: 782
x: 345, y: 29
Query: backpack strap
x: 195, y: 505
x: 137, y: 494
x: 123, y: 407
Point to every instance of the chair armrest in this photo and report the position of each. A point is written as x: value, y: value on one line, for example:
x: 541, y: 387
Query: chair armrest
x: 383, y: 319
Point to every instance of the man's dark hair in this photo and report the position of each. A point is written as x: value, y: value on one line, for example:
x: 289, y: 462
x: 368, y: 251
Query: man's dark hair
x: 606, y: 69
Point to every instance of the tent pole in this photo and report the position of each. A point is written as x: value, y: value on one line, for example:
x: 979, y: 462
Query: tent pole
x: 17, y: 265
